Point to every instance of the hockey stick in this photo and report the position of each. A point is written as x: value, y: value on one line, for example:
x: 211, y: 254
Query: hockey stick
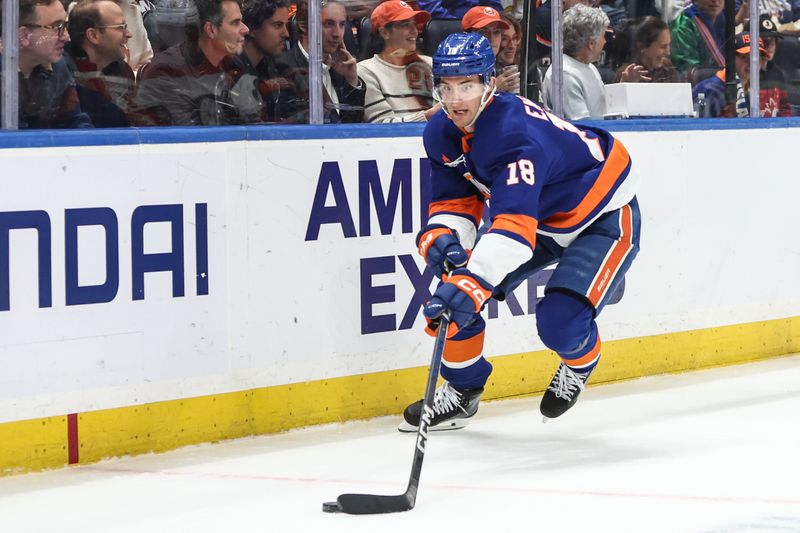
x: 377, y: 504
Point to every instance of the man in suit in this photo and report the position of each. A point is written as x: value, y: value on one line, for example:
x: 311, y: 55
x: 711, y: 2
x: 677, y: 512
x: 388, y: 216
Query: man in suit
x: 343, y: 91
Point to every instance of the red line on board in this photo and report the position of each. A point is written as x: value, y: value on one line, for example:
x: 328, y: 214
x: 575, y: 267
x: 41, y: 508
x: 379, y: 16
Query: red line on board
x: 72, y: 438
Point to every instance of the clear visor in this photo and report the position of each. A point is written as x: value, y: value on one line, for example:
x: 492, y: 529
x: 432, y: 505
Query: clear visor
x: 458, y: 92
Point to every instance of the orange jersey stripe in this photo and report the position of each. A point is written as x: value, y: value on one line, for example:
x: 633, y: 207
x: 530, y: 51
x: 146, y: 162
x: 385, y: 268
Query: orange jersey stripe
x: 586, y: 359
x: 460, y: 351
x: 471, y: 207
x: 465, y: 146
x: 615, y: 258
x: 615, y: 165
x: 522, y: 225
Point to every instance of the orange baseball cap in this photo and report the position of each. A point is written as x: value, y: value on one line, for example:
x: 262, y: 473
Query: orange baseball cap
x: 742, y: 45
x: 394, y: 11
x: 480, y: 16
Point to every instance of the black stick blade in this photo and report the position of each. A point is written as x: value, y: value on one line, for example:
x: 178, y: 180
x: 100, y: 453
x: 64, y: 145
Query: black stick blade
x: 374, y: 504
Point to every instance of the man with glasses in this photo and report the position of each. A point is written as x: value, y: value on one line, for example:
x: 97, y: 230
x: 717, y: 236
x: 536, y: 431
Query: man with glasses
x: 98, y: 47
x: 190, y: 83
x: 47, y: 95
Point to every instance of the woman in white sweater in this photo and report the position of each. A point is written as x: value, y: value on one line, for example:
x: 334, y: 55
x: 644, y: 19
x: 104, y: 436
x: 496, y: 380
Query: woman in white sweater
x: 398, y: 79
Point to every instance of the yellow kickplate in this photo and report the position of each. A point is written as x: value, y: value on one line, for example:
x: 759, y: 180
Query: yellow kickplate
x: 43, y: 443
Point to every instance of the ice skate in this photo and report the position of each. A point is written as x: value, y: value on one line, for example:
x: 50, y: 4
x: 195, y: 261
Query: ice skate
x: 563, y: 392
x: 452, y: 407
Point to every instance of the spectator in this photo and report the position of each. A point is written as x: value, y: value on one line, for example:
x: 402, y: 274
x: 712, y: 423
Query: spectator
x: 698, y: 35
x: 268, y: 21
x: 169, y: 22
x: 709, y: 94
x: 584, y: 38
x: 189, y: 84
x: 399, y: 80
x: 343, y: 91
x: 105, y: 82
x: 649, y: 61
x: 47, y: 95
x: 508, y: 57
x: 773, y: 84
x: 542, y: 23
x: 140, y: 51
x: 455, y: 9
x: 487, y: 22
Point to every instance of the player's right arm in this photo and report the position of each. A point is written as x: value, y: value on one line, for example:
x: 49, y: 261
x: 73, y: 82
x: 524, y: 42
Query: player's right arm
x: 456, y: 207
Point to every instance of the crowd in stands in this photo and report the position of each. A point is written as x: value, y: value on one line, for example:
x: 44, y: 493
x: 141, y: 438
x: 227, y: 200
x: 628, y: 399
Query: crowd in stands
x: 118, y: 63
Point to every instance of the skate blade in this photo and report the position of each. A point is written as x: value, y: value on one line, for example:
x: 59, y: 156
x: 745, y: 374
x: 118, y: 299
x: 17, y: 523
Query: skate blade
x: 456, y: 423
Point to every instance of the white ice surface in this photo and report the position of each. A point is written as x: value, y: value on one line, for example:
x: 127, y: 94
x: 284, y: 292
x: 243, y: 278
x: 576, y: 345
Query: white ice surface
x: 711, y: 451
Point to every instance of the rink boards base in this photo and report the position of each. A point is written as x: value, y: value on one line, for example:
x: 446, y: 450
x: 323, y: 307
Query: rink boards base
x: 81, y: 438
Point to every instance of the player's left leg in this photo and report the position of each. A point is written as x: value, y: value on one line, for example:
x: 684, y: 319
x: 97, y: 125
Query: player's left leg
x: 589, y: 271
x: 464, y: 367
x: 465, y: 371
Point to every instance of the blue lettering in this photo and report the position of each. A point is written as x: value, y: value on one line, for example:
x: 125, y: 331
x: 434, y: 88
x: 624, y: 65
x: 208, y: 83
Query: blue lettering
x: 539, y: 279
x: 371, y: 295
x: 91, y: 294
x: 160, y: 262
x: 40, y: 221
x: 330, y: 177
x: 425, y: 191
x: 201, y: 243
x: 421, y: 282
x: 369, y: 181
x: 512, y: 303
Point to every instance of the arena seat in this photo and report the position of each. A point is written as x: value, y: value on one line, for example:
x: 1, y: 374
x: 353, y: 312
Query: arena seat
x: 435, y: 31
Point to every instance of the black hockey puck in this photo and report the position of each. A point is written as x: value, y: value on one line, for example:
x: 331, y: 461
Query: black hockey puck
x: 331, y: 507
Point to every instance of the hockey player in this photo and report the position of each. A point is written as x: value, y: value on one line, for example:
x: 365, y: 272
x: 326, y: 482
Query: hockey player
x: 556, y: 193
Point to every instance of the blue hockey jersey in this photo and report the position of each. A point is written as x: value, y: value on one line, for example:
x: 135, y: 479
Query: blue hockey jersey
x: 539, y: 174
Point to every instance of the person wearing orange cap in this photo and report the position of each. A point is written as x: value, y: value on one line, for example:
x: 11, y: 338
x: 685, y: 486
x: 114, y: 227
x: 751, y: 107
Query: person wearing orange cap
x: 709, y: 94
x: 488, y: 22
x: 398, y: 79
x: 775, y: 86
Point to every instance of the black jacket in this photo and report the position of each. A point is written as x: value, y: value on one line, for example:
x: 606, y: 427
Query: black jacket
x: 293, y: 65
x: 48, y: 99
x: 181, y: 88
